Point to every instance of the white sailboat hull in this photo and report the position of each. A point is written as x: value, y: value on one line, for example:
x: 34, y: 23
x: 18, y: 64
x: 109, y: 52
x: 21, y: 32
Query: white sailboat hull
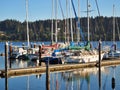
x: 84, y: 58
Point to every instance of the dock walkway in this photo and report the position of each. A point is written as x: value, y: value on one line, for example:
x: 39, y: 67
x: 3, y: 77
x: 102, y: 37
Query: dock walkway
x: 54, y: 68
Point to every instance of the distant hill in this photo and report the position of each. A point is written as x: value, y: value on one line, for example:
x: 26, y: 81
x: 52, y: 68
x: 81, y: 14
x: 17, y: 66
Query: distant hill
x: 100, y: 27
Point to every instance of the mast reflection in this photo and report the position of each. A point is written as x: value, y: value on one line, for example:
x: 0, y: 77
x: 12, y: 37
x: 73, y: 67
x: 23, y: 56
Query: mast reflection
x: 76, y: 79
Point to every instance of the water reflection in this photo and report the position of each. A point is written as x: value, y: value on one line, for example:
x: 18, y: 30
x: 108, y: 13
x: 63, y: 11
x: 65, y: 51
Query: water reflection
x: 16, y: 63
x: 113, y: 78
x: 81, y: 79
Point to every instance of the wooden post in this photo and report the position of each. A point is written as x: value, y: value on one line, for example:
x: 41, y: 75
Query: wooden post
x: 100, y: 64
x: 47, y: 76
x: 115, y: 47
x: 6, y: 66
x: 40, y: 55
x: 10, y: 54
x: 10, y: 50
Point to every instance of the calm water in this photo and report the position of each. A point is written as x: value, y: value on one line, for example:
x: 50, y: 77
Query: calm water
x: 80, y: 79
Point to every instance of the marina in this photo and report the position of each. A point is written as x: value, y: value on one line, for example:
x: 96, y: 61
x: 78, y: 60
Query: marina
x: 74, y: 48
x: 27, y: 68
x: 68, y: 74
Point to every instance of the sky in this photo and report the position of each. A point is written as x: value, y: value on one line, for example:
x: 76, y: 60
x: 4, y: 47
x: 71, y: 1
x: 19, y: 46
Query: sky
x: 42, y: 9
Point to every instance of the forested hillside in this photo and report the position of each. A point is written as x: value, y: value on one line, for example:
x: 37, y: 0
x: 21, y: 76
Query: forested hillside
x: 100, y: 27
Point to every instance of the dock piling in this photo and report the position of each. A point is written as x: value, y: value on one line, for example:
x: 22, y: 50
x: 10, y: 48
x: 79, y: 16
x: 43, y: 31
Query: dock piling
x: 100, y: 64
x: 40, y: 55
x: 47, y: 76
x: 10, y: 54
x: 6, y: 66
x: 10, y: 50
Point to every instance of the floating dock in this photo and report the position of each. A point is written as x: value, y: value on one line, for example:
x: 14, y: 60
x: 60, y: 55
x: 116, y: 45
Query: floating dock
x: 55, y: 68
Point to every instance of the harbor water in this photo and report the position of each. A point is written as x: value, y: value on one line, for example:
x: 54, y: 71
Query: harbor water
x: 78, y: 79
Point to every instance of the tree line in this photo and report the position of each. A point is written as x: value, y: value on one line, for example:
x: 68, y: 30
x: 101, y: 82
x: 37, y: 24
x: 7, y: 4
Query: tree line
x: 100, y: 28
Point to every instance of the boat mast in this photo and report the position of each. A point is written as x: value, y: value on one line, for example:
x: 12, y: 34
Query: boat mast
x: 88, y: 19
x: 64, y: 19
x: 113, y: 24
x: 27, y: 23
x: 67, y: 22
x: 65, y: 30
x: 56, y: 21
x: 71, y: 22
x: 78, y: 19
x: 79, y: 30
x: 52, y: 21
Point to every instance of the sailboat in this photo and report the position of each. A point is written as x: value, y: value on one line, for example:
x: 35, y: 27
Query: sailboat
x: 20, y: 50
x: 83, y: 54
x: 114, y: 52
x: 24, y: 52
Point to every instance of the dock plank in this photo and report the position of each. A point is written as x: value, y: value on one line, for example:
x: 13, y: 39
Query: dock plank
x: 54, y: 68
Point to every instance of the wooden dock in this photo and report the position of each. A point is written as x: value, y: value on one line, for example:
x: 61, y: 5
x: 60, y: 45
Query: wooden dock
x: 54, y: 68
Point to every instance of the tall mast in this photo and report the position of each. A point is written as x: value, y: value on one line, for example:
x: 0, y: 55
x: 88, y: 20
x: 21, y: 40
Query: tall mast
x: 77, y: 24
x: 71, y: 22
x: 67, y: 21
x: 64, y: 19
x: 56, y: 21
x: 88, y: 19
x: 113, y: 24
x: 52, y: 21
x: 27, y: 23
x: 78, y: 28
x: 78, y: 8
x: 78, y: 18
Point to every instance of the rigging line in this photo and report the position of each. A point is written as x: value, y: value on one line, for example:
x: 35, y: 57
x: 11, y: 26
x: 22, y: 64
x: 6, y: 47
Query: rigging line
x: 52, y: 15
x: 118, y: 29
x: 61, y: 9
x: 79, y: 30
x: 116, y: 3
x: 97, y: 8
x: 100, y: 20
x: 67, y: 22
x: 63, y: 18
